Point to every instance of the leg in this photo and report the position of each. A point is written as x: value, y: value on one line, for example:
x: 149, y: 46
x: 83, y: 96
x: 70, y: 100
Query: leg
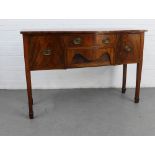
x: 138, y: 80
x: 29, y: 93
x: 124, y: 78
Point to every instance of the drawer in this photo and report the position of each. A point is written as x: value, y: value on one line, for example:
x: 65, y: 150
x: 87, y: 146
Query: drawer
x: 45, y: 53
x: 106, y: 40
x: 129, y: 51
x: 79, y: 40
x: 89, y: 57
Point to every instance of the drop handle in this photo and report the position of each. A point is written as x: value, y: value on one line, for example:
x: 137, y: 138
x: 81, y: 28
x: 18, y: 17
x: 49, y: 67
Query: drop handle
x: 128, y: 48
x: 47, y: 52
x: 77, y: 41
x: 106, y: 41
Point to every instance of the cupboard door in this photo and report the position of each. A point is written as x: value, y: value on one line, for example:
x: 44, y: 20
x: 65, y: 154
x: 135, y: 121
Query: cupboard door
x: 129, y: 50
x: 45, y: 53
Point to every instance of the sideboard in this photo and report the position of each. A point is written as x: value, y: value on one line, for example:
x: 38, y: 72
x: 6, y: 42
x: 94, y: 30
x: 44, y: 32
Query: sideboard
x: 55, y: 49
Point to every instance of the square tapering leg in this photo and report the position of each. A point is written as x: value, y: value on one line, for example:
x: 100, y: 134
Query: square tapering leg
x: 124, y: 78
x: 138, y: 80
x: 28, y: 76
x: 29, y: 92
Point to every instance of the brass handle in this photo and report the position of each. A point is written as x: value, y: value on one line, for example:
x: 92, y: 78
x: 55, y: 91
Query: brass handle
x: 77, y: 41
x: 47, y: 52
x: 106, y: 41
x: 128, y: 48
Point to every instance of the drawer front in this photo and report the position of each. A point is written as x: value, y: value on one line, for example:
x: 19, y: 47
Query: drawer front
x: 106, y: 40
x: 129, y: 51
x: 45, y: 53
x: 79, y: 40
x: 89, y: 57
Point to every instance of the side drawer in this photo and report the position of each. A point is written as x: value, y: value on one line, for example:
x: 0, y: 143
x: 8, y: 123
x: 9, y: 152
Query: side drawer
x: 106, y: 40
x: 79, y: 40
x: 45, y: 53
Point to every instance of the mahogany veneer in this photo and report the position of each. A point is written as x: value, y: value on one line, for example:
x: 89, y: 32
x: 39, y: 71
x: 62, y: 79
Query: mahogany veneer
x: 45, y: 50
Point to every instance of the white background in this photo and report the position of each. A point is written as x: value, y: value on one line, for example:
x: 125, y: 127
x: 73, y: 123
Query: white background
x: 12, y: 74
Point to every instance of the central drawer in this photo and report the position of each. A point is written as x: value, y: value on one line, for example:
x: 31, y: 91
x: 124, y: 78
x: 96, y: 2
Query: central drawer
x: 89, y: 57
x: 87, y: 40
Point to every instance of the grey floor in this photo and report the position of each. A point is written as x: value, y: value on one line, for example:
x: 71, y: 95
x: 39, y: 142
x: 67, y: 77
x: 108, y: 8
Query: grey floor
x: 78, y: 112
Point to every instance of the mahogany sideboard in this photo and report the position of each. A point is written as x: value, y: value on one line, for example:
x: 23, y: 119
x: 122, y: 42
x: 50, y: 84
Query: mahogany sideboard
x: 44, y: 50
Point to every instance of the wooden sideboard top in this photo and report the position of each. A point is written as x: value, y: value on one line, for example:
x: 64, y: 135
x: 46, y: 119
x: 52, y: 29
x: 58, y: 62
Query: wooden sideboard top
x: 67, y: 31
